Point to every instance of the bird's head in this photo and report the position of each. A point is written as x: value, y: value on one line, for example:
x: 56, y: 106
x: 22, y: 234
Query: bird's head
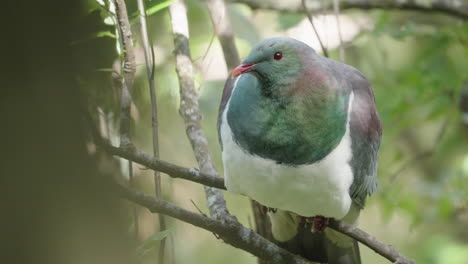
x: 278, y: 61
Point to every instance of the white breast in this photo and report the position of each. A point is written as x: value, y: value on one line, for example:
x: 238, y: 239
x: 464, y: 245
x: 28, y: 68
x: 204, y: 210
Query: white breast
x: 321, y: 188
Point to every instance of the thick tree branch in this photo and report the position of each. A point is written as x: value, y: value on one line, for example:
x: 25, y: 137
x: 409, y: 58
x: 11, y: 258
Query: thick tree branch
x: 189, y: 109
x: 387, y: 251
x: 222, y: 27
x: 453, y: 8
x: 231, y: 231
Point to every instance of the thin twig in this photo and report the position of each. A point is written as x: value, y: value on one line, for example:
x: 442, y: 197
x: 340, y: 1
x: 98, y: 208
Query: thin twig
x: 457, y: 9
x: 149, y: 60
x: 311, y: 20
x: 131, y: 153
x: 136, y: 223
x: 222, y: 28
x: 336, y: 10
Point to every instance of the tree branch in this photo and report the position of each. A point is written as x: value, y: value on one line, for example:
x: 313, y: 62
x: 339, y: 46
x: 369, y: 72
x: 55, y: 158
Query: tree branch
x: 149, y: 60
x: 128, y: 69
x: 231, y: 231
x: 194, y: 175
x: 453, y: 8
x: 189, y: 109
x: 129, y: 152
x: 223, y: 30
x: 387, y: 251
x: 311, y: 20
x: 222, y: 223
x: 336, y: 10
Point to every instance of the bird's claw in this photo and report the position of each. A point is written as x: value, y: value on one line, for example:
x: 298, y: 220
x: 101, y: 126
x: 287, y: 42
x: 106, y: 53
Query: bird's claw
x: 268, y: 209
x: 317, y: 223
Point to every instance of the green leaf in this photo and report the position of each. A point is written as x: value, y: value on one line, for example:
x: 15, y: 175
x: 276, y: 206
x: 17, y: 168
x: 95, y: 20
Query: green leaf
x: 104, y: 34
x: 152, y: 10
x: 153, y: 241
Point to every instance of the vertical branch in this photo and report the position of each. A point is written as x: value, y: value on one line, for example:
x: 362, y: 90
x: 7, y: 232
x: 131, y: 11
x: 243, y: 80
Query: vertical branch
x: 311, y: 20
x: 262, y: 225
x: 223, y: 30
x: 336, y: 10
x: 189, y: 109
x: 135, y: 209
x: 149, y: 60
x: 128, y: 69
x: 128, y: 72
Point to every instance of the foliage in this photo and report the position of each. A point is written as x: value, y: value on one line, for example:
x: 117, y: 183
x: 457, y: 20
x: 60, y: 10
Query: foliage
x: 417, y: 65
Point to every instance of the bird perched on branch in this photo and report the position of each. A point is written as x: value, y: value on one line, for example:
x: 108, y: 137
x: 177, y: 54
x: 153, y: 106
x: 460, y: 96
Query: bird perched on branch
x: 300, y: 134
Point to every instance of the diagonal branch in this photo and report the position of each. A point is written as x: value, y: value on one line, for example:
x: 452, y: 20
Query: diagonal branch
x: 232, y: 232
x: 229, y: 230
x: 387, y: 251
x: 189, y: 109
x: 457, y: 9
x: 194, y: 175
x: 131, y: 153
x: 336, y: 10
x: 311, y: 20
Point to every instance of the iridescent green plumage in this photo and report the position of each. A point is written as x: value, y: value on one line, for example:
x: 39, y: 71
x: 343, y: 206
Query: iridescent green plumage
x: 291, y: 129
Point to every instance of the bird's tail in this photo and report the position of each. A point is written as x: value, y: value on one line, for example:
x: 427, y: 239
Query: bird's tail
x: 328, y: 246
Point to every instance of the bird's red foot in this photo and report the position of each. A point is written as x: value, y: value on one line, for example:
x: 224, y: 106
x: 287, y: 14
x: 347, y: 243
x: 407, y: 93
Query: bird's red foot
x: 319, y: 224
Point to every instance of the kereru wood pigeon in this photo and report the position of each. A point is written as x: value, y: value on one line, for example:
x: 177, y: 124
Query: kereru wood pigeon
x: 300, y: 134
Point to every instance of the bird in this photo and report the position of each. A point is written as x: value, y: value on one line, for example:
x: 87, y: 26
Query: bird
x: 300, y: 134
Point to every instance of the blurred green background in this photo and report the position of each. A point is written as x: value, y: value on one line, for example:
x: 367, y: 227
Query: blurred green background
x: 417, y: 63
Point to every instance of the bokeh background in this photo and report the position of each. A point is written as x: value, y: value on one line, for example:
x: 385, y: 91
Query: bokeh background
x: 416, y: 61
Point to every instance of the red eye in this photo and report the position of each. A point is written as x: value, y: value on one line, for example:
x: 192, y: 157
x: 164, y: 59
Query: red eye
x: 278, y: 55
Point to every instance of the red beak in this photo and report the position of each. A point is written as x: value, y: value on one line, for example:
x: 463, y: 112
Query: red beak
x: 243, y: 68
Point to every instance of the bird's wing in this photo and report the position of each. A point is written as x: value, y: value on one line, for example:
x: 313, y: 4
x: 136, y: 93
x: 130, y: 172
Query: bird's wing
x: 366, y: 131
x: 228, y: 87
